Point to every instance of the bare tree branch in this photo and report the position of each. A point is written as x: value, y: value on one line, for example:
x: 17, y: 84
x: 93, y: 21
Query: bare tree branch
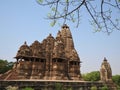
x: 66, y: 14
x: 101, y: 12
x: 92, y: 16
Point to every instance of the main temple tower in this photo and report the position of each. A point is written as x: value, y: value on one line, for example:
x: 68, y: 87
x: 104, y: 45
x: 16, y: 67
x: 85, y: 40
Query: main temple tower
x: 70, y: 52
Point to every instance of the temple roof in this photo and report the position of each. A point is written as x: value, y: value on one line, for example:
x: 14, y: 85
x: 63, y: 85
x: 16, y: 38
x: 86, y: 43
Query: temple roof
x: 62, y: 46
x: 52, y: 58
x: 24, y: 50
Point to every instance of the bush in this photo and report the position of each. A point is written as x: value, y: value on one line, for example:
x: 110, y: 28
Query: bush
x: 27, y: 88
x: 118, y: 87
x: 93, y: 88
x: 58, y: 86
x: 104, y: 88
x: 69, y: 89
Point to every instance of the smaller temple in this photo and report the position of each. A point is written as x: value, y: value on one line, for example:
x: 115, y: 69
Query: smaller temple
x: 106, y: 75
x: 105, y: 71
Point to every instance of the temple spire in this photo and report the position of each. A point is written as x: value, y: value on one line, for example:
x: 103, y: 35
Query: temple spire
x: 105, y: 71
x: 105, y: 59
x: 25, y: 43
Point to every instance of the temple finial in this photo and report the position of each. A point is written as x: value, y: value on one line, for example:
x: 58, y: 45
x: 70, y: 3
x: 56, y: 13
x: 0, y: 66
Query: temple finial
x: 25, y: 43
x: 105, y: 59
x: 65, y: 26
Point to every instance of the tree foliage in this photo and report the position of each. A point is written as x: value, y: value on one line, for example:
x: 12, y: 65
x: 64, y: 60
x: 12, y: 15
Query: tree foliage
x: 104, y: 14
x: 116, y: 79
x: 5, y: 66
x: 27, y: 88
x: 58, y: 86
x: 92, y: 76
x: 93, y: 88
x: 104, y: 88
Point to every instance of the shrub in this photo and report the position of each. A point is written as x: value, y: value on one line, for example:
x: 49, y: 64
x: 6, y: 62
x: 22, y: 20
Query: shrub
x: 104, y: 88
x: 93, y: 88
x: 27, y: 88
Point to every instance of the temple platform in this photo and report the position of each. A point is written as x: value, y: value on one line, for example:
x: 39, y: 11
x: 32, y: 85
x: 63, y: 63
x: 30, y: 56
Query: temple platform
x: 51, y: 84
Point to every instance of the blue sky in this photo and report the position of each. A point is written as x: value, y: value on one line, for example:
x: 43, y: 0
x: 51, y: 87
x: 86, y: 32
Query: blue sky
x: 24, y: 20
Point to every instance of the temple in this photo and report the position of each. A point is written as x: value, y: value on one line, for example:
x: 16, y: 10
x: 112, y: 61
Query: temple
x: 52, y: 59
x: 105, y: 71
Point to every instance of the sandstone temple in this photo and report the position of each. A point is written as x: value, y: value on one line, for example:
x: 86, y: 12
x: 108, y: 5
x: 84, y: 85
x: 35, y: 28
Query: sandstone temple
x: 42, y: 64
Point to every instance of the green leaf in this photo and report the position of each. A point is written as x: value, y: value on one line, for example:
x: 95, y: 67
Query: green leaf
x: 73, y: 20
x: 40, y: 1
x: 67, y: 1
x: 53, y: 9
x: 53, y: 23
x: 49, y: 15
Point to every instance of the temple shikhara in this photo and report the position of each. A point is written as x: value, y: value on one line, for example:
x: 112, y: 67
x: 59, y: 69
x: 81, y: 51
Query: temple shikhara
x: 52, y: 59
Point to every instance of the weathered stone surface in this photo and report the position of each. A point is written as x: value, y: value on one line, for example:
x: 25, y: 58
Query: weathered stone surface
x: 105, y: 71
x: 52, y: 59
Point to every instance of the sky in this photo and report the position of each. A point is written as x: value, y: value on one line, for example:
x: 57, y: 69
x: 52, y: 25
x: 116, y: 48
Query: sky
x: 24, y: 20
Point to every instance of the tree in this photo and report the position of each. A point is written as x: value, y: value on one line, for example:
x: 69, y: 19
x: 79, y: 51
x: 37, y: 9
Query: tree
x: 92, y: 76
x: 116, y: 79
x: 5, y: 66
x: 102, y: 12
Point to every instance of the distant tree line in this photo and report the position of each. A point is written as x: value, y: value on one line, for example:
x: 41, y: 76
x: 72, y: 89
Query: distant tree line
x: 95, y: 76
x: 5, y: 66
x: 92, y: 76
